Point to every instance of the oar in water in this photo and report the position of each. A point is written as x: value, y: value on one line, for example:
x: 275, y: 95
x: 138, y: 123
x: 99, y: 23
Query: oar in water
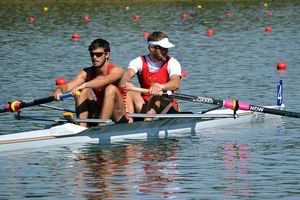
x: 232, y: 104
x: 18, y: 105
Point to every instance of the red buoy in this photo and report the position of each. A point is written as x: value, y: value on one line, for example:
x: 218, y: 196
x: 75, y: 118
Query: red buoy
x: 60, y: 81
x: 86, y: 19
x: 146, y: 34
x: 210, y: 32
x: 184, y: 16
x: 270, y: 14
x: 32, y: 20
x: 228, y: 14
x: 281, y: 65
x: 268, y: 29
x: 136, y: 17
x: 75, y: 36
x: 183, y: 74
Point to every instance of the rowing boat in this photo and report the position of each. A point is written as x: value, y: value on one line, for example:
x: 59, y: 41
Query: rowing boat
x: 165, y: 126
x: 227, y: 113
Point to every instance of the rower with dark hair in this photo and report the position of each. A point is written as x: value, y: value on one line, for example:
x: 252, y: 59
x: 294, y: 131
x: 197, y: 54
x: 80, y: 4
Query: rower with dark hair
x: 100, y: 96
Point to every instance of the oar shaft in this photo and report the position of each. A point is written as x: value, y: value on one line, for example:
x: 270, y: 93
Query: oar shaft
x: 232, y: 104
x: 274, y: 111
x: 17, y: 105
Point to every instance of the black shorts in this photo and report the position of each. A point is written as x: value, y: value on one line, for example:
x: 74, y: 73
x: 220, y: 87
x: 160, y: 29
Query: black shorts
x: 122, y: 120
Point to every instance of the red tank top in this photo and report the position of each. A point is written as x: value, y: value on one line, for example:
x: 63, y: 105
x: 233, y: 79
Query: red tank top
x: 99, y: 92
x: 146, y: 78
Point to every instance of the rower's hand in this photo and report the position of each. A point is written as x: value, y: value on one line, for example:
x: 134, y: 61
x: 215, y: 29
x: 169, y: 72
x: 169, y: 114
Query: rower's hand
x: 156, y: 89
x: 78, y: 89
x: 56, y: 93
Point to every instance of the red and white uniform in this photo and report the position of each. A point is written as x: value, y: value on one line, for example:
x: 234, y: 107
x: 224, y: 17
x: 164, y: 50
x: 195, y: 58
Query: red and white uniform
x: 154, y: 72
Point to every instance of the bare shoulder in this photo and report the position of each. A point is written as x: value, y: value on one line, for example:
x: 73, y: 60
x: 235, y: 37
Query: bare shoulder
x: 116, y: 68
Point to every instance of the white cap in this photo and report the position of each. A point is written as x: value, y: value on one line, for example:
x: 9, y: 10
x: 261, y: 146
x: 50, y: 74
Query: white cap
x: 164, y: 43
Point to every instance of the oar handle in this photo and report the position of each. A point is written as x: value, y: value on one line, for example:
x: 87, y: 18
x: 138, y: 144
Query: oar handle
x: 65, y: 95
x: 137, y: 89
x: 18, y: 105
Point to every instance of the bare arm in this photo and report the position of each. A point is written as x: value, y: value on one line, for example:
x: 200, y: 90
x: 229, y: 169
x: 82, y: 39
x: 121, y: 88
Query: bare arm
x: 114, y: 75
x: 127, y: 76
x: 173, y: 84
x: 78, y: 80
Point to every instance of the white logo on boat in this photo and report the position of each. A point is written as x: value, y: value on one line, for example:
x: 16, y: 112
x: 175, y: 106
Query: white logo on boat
x: 204, y: 100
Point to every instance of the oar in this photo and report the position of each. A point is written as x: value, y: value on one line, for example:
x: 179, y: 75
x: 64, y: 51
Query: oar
x: 18, y: 105
x: 180, y: 115
x: 57, y: 108
x: 51, y: 119
x: 232, y: 104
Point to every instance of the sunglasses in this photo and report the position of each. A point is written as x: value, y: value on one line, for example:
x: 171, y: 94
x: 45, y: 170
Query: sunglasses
x: 160, y: 48
x: 97, y: 54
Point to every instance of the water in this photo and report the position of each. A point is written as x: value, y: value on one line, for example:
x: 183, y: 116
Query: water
x: 258, y: 161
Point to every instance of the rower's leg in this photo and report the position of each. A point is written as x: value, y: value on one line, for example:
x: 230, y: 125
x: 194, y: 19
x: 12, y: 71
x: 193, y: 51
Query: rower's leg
x: 86, y: 106
x: 134, y: 103
x: 113, y: 104
x: 157, y: 104
x: 153, y: 107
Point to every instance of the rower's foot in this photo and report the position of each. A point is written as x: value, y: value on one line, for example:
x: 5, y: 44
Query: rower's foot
x: 148, y: 119
x: 102, y: 124
x: 83, y: 124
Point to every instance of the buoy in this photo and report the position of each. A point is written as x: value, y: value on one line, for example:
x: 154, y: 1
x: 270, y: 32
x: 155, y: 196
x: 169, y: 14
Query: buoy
x: 75, y: 36
x: 86, y: 19
x: 268, y: 29
x: 199, y: 6
x: 228, y: 14
x: 146, y: 34
x: 281, y: 65
x: 60, y: 81
x: 270, y: 14
x: 45, y: 9
x: 266, y: 5
x: 136, y: 17
x: 32, y: 20
x: 210, y: 32
x: 127, y: 8
x: 183, y: 74
x: 184, y: 16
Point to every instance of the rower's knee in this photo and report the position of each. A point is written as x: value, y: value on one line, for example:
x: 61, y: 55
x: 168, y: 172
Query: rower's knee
x: 111, y: 90
x: 85, y: 94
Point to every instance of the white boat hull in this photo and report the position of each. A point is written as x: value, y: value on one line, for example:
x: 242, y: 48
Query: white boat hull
x: 67, y: 134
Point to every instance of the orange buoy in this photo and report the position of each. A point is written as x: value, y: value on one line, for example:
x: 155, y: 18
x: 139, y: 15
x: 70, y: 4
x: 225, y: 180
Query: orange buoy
x: 60, y: 81
x: 281, y: 65
x: 268, y: 29
x: 75, y: 36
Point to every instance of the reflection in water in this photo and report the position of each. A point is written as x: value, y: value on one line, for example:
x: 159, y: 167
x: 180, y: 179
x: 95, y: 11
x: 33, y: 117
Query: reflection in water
x: 236, y: 166
x: 118, y: 171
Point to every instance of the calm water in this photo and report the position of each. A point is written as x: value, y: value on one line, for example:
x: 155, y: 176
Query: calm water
x: 259, y: 161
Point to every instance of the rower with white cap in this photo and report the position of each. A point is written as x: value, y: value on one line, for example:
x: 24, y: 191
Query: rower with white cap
x: 157, y: 72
